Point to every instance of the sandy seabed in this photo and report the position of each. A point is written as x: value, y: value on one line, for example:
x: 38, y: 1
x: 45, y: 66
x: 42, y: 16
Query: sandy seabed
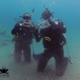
x: 25, y: 71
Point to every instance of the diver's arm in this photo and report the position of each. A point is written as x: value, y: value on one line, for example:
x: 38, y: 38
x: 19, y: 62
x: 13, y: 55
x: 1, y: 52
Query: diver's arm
x: 37, y: 35
x: 14, y: 30
x: 17, y: 29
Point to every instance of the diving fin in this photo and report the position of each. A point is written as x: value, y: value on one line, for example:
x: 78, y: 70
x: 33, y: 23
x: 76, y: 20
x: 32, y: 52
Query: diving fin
x: 37, y: 56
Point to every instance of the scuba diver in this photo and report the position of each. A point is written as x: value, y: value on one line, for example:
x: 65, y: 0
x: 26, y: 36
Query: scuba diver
x: 53, y: 42
x: 23, y: 33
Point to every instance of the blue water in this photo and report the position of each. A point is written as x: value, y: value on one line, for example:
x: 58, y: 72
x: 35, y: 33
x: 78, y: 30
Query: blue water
x: 66, y: 10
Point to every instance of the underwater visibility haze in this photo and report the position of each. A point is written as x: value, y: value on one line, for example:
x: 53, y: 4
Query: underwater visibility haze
x: 66, y: 10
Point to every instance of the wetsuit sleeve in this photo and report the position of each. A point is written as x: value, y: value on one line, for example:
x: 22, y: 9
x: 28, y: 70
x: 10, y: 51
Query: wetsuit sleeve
x: 15, y: 29
x: 38, y: 35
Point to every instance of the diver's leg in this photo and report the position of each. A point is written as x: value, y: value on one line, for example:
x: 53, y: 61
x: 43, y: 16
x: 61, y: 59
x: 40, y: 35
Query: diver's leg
x: 64, y: 64
x: 43, y: 60
x: 59, y: 58
x: 17, y: 52
x: 27, y: 54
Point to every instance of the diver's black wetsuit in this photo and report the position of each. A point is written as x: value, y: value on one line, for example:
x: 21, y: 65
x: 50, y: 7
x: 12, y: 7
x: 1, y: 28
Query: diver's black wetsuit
x: 52, y: 42
x: 23, y: 38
